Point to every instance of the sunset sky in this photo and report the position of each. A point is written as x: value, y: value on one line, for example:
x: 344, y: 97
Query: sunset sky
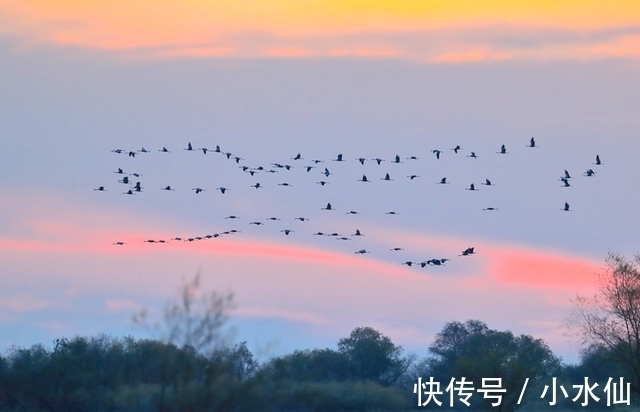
x: 266, y: 80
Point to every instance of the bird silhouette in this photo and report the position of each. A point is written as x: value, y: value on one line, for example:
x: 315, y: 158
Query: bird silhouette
x: 565, y: 181
x: 443, y: 181
x: 408, y: 263
x: 378, y: 160
x: 364, y: 179
x: 128, y: 192
x: 297, y: 157
x: 532, y: 142
x: 119, y: 171
x: 164, y: 150
x: 232, y: 217
x: 119, y: 243
x: 487, y: 182
x: 361, y: 160
x: 357, y: 233
x: 412, y: 176
x: 437, y: 153
x: 362, y: 252
x: 468, y: 251
x: 287, y: 231
x: 472, y: 187
x: 189, y: 147
x: 132, y: 154
x: 503, y: 150
x: 455, y: 149
x: 119, y: 151
x: 598, y: 162
x: 566, y: 174
x: 167, y: 188
x: 326, y: 172
x: 257, y: 186
x: 124, y: 180
x: 338, y: 158
x: 198, y: 189
x: 222, y: 189
x: 396, y: 249
x: 392, y: 213
x: 566, y: 207
x: 473, y: 155
x: 589, y: 173
x: 490, y: 208
x: 328, y: 207
x: 386, y: 177
x: 256, y: 223
x: 322, y: 183
x: 100, y: 189
x: 309, y: 168
x: 304, y: 219
x: 396, y: 160
x: 285, y: 184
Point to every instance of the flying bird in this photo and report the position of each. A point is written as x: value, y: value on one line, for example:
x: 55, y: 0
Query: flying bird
x: 532, y: 142
x: 598, y: 162
x: 361, y: 160
x: 455, y: 149
x: 472, y: 187
x: 357, y: 233
x: 487, y: 182
x: 338, y: 158
x: 167, y: 188
x: 257, y: 186
x: 198, y: 189
x: 364, y: 179
x: 322, y: 183
x: 503, y: 150
x: 468, y: 251
x: 326, y: 172
x: 437, y: 153
x: 101, y: 189
x: 297, y: 157
x: 396, y: 160
x: 589, y: 173
x: 352, y: 212
x: 362, y: 252
x: 222, y: 189
x: 328, y: 207
x: 473, y: 154
x: 287, y: 231
x: 378, y: 160
x: 164, y: 150
x: 386, y: 177
x: 443, y: 181
x: 566, y: 207
x: 490, y: 208
x: 189, y: 147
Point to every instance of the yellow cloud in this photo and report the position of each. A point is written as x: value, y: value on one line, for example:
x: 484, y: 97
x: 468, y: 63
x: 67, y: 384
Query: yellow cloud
x: 307, y: 28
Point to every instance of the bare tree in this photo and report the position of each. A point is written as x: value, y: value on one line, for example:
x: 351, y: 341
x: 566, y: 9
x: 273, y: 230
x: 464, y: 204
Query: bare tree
x: 611, y: 317
x: 194, y: 320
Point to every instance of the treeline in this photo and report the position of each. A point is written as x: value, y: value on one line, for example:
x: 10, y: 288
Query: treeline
x: 365, y: 372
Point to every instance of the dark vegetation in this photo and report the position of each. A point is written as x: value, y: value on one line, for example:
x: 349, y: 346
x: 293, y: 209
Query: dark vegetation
x: 190, y: 368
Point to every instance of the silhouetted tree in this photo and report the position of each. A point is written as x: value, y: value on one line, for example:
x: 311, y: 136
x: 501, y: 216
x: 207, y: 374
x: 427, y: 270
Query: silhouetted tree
x: 474, y: 351
x: 373, y: 356
x: 611, y: 318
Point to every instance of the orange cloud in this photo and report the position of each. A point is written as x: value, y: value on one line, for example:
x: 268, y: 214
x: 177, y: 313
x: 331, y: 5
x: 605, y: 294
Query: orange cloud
x: 293, y: 28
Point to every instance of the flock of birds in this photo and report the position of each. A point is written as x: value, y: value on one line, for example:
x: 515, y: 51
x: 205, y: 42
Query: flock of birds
x: 137, y: 188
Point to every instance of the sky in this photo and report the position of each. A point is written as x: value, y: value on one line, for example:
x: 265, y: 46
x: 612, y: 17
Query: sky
x: 267, y: 80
